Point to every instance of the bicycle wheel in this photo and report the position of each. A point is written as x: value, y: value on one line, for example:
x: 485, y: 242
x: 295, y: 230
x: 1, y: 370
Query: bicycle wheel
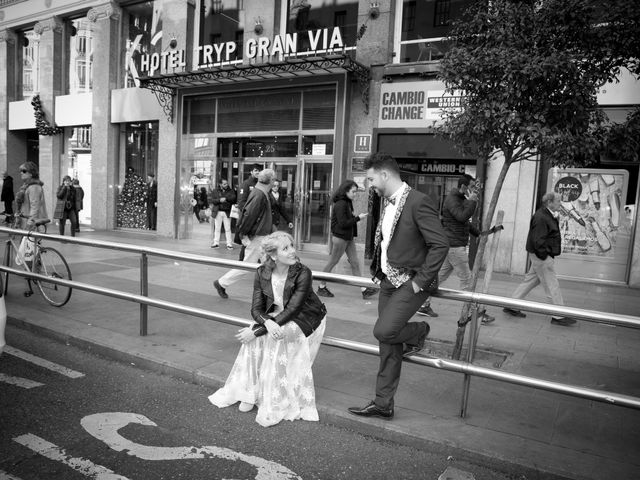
x: 51, y: 263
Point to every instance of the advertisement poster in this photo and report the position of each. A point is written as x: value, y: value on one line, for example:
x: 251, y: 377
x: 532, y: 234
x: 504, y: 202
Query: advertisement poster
x: 595, y: 231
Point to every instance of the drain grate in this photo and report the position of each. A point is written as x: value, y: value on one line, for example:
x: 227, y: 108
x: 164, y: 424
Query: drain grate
x: 484, y: 356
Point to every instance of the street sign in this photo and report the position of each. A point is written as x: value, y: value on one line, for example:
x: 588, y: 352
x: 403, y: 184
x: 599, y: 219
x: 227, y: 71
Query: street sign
x: 362, y: 144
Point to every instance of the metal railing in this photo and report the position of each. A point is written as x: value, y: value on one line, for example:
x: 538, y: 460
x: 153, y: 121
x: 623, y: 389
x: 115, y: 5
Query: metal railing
x: 466, y: 367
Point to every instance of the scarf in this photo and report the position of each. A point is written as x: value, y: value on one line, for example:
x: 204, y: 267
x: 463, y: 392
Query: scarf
x: 23, y: 190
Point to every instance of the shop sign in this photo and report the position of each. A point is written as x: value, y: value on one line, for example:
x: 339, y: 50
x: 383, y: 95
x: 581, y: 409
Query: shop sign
x: 434, y: 167
x: 285, y: 45
x: 412, y: 105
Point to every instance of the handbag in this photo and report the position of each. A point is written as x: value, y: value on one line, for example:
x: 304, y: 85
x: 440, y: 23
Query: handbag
x: 235, y: 212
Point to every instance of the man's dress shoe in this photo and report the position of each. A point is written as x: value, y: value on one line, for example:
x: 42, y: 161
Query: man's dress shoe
x: 372, y: 410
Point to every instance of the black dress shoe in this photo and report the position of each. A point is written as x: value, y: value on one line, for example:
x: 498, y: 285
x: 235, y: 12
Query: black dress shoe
x: 411, y: 348
x: 372, y: 410
x: 563, y: 321
x: 221, y: 291
x: 513, y: 312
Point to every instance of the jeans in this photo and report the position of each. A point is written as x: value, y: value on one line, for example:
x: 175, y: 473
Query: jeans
x: 221, y: 219
x: 542, y: 272
x: 340, y: 246
x: 72, y: 215
x: 251, y: 255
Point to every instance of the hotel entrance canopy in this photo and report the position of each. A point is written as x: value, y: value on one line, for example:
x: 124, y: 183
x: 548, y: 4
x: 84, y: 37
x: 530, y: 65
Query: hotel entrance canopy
x: 165, y: 86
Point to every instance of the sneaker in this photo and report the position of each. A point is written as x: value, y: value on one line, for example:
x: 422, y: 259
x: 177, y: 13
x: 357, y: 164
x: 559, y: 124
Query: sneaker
x: 324, y: 292
x: 410, y: 348
x: 229, y: 247
x: 245, y: 407
x: 369, y: 292
x: 563, y: 321
x: 513, y: 312
x: 221, y: 290
x: 427, y: 311
x: 214, y: 245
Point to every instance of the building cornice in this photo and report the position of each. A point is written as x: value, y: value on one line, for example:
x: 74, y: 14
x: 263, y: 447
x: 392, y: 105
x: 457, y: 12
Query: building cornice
x: 9, y: 37
x: 103, y: 12
x: 54, y: 24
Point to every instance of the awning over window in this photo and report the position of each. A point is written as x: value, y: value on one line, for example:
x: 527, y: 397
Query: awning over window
x: 165, y: 86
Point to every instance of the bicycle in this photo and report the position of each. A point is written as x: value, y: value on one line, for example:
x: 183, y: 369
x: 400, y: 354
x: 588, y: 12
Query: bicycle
x: 45, y: 261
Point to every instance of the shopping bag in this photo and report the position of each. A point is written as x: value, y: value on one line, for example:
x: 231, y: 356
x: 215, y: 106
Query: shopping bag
x: 235, y: 212
x: 26, y: 251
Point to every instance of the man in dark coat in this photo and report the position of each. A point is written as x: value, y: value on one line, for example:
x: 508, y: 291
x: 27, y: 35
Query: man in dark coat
x: 409, y: 249
x: 152, y: 201
x: 221, y: 200
x: 245, y: 189
x: 544, y: 243
x: 7, y: 196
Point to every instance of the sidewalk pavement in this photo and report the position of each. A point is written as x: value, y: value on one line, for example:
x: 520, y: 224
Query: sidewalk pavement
x: 538, y: 430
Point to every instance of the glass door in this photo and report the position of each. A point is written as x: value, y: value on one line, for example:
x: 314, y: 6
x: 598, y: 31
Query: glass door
x: 313, y: 224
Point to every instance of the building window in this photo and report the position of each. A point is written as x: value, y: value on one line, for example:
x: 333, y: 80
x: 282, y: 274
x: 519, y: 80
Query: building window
x: 305, y: 15
x: 422, y: 28
x: 221, y: 21
x: 30, y: 64
x: 142, y: 24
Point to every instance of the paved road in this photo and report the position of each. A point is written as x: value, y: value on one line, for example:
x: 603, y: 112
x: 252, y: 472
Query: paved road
x: 87, y: 417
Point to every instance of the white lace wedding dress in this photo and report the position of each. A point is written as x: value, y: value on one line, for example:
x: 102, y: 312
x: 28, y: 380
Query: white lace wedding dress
x: 274, y: 374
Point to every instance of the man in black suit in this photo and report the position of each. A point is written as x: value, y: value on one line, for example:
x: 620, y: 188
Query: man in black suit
x: 7, y: 196
x: 410, y: 247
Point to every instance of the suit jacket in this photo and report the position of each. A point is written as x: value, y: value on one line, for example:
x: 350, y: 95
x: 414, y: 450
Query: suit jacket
x: 419, y: 244
x: 7, y: 190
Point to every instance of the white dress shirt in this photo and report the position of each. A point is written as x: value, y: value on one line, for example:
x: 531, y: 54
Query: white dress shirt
x: 387, y: 223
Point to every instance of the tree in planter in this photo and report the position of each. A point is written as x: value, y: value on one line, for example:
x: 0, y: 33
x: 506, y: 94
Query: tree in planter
x: 529, y: 72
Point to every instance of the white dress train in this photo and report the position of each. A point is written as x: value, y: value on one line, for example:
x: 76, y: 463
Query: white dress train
x: 275, y: 375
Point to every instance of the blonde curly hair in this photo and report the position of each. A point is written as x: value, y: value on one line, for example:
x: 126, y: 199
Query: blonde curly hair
x: 270, y: 245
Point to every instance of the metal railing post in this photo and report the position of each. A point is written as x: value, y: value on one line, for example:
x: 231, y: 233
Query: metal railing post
x: 471, y: 350
x: 7, y: 262
x: 144, y: 291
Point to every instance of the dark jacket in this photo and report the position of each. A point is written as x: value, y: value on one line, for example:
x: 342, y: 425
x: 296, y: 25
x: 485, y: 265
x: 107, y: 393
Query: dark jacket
x: 277, y: 209
x: 343, y: 221
x: 456, y: 213
x: 216, y: 206
x: 247, y: 187
x: 79, y: 197
x: 301, y: 304
x: 255, y: 218
x: 66, y: 200
x: 152, y: 193
x: 7, y: 190
x: 419, y: 243
x: 544, y: 238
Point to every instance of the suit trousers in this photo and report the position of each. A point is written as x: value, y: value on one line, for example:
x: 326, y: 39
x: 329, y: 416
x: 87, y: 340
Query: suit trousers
x: 396, y: 306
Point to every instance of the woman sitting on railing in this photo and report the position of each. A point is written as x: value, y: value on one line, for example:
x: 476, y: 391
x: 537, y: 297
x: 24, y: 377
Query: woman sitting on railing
x: 273, y: 367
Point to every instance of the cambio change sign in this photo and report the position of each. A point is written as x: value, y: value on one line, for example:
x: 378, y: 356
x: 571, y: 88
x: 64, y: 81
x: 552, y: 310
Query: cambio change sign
x: 412, y: 104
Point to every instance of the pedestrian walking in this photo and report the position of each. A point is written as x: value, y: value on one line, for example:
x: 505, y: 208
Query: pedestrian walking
x: 79, y: 200
x: 278, y: 209
x: 152, y: 201
x: 243, y: 195
x: 273, y: 368
x: 255, y: 223
x: 409, y: 249
x: 7, y: 196
x: 66, y: 206
x: 222, y: 198
x: 543, y: 245
x: 457, y: 211
x: 344, y: 228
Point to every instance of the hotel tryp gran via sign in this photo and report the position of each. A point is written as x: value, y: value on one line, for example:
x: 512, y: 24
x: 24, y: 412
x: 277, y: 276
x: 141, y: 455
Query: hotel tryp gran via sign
x: 281, y: 46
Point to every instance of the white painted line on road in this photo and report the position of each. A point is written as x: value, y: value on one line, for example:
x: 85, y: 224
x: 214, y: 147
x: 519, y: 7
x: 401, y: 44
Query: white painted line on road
x: 67, y: 372
x: 20, y: 382
x: 5, y: 476
x: 53, y: 452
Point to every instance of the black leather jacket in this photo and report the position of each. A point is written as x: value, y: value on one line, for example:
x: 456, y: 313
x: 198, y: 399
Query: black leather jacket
x: 301, y: 304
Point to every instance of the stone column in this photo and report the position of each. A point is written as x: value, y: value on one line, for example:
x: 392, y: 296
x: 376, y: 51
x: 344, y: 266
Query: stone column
x: 104, y: 134
x: 177, y: 22
x: 51, y: 85
x: 13, y: 147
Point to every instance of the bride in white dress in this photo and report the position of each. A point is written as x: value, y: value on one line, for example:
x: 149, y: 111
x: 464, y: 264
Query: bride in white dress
x: 273, y: 367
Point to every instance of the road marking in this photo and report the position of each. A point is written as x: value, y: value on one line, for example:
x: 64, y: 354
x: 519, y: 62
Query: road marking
x: 67, y: 372
x: 53, y: 452
x: 20, y: 382
x: 105, y: 426
x: 5, y: 476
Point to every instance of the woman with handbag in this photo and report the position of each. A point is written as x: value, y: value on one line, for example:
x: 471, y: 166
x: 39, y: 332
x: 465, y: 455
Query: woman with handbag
x: 66, y: 206
x: 273, y: 368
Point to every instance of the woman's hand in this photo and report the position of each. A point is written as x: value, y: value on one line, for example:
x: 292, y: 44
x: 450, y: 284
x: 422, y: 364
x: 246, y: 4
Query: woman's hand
x: 274, y: 330
x: 245, y: 335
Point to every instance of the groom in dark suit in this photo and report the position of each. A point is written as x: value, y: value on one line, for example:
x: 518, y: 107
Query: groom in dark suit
x: 410, y: 246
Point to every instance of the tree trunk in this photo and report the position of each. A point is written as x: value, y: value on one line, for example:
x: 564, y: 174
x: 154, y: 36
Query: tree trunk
x: 477, y: 264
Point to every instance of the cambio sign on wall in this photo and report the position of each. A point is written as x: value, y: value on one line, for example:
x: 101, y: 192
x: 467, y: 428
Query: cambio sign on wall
x: 413, y: 104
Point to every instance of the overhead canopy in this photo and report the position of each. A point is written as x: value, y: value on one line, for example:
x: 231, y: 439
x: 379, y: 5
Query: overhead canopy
x: 166, y: 85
